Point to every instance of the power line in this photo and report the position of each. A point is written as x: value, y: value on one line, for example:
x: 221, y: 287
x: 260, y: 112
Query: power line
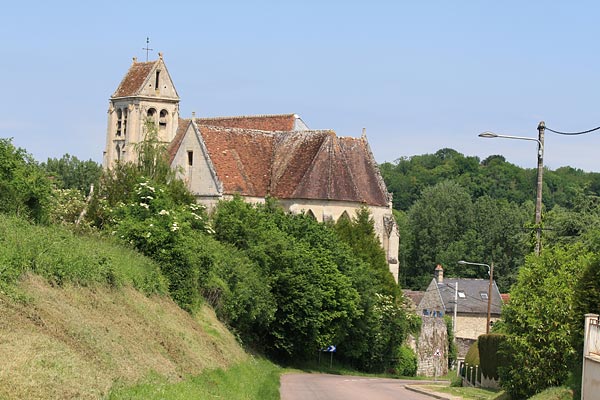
x: 572, y: 133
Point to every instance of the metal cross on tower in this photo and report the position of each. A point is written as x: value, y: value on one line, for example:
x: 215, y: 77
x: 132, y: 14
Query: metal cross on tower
x: 147, y: 48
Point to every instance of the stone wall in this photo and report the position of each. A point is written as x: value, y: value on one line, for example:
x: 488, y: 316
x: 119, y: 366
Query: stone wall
x: 433, y: 337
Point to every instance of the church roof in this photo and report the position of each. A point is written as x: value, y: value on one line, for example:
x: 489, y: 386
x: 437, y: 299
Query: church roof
x: 134, y: 79
x: 290, y: 164
x: 284, y: 122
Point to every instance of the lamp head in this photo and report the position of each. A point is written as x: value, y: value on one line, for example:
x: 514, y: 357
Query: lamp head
x: 488, y: 135
x: 461, y: 262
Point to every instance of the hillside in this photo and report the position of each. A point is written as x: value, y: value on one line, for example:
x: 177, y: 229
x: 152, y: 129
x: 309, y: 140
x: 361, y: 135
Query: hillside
x: 80, y: 315
x: 78, y: 342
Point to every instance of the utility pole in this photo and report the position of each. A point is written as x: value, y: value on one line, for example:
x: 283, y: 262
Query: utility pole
x: 455, y: 308
x: 538, y: 201
x: 489, y: 308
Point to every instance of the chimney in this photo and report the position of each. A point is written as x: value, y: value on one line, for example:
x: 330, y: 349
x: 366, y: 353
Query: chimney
x: 439, y: 274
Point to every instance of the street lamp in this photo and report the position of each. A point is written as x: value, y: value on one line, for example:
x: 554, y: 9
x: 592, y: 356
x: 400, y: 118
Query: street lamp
x: 540, y: 170
x: 489, y: 305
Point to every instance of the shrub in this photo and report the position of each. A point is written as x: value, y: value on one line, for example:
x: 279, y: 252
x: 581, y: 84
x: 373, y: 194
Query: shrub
x: 407, y: 362
x: 490, y: 357
x: 24, y: 188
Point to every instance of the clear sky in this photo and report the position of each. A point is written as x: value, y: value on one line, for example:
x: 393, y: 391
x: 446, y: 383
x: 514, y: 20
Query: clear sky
x: 418, y: 75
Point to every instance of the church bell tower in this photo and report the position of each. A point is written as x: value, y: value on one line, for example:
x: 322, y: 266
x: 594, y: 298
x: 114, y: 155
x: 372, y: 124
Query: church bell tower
x: 146, y: 93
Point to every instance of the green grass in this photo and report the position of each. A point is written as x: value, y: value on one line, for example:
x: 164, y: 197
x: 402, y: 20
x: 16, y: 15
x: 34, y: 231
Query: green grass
x: 61, y: 256
x: 559, y: 393
x: 467, y: 393
x: 256, y: 379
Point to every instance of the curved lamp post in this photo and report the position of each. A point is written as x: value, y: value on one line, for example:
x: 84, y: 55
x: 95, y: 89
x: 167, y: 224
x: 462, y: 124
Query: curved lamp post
x: 540, y: 170
x: 489, y: 305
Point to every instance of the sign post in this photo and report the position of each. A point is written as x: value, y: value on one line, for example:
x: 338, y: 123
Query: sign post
x: 436, y: 356
x: 329, y: 349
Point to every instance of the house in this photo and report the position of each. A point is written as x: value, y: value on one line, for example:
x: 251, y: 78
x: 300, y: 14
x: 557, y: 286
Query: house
x: 312, y: 171
x: 471, y: 298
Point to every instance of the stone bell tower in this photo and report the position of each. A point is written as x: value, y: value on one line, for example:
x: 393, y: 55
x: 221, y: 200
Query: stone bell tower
x: 146, y: 93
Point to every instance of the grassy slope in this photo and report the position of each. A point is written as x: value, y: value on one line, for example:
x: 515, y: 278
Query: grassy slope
x: 76, y: 342
x: 73, y: 326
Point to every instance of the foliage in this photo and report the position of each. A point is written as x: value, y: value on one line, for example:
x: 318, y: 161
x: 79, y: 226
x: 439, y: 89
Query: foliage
x: 60, y: 256
x: 359, y: 234
x: 325, y: 294
x: 452, y: 349
x: 69, y: 172
x: 153, y: 223
x: 539, y: 321
x: 555, y: 393
x: 489, y: 354
x: 439, y: 224
x: 408, y: 177
x: 407, y: 362
x: 24, y: 188
x: 472, y: 356
x: 66, y: 206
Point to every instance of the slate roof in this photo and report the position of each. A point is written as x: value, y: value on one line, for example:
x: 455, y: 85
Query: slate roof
x: 290, y: 164
x: 472, y: 302
x: 134, y: 79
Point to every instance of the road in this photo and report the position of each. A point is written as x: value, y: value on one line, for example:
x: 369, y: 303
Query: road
x: 336, y: 387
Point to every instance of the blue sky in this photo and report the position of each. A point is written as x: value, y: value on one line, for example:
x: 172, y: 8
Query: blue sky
x: 419, y: 76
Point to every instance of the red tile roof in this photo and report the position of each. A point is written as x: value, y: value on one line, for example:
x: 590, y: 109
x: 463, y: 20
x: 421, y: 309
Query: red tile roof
x: 271, y: 123
x: 242, y: 159
x: 291, y: 164
x: 134, y: 79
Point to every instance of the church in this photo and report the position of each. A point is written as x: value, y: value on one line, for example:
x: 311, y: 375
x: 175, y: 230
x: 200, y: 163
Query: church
x: 312, y: 171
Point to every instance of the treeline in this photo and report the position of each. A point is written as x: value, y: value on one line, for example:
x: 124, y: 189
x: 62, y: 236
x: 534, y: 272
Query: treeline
x: 407, y: 177
x: 452, y: 207
x: 287, y: 285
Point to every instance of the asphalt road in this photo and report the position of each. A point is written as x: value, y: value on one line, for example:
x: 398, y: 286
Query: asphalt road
x: 336, y: 387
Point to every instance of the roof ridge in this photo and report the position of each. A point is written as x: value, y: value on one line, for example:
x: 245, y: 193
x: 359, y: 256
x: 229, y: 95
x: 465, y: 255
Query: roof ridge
x: 251, y: 116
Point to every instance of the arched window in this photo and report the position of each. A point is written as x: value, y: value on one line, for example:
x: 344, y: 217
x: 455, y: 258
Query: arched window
x: 309, y: 213
x: 118, y: 152
x: 344, y: 216
x: 162, y: 121
x: 119, y: 121
x: 125, y: 113
x: 151, y: 112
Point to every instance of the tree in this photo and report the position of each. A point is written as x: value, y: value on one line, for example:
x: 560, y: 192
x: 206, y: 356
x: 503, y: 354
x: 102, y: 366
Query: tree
x: 442, y: 222
x: 69, y: 172
x: 539, y: 320
x: 24, y: 188
x: 359, y: 234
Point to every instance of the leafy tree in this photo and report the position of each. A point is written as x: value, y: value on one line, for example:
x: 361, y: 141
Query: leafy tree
x: 24, y: 188
x: 442, y: 223
x: 539, y: 320
x: 71, y: 173
x: 359, y: 234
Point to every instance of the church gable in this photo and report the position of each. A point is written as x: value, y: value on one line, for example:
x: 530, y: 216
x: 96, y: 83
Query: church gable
x: 189, y: 155
x: 147, y: 79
